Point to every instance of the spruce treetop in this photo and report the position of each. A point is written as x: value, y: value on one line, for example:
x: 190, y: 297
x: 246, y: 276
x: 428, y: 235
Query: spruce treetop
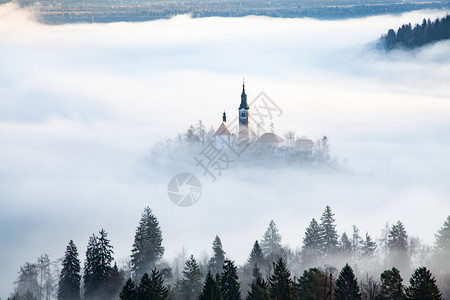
x: 211, y: 289
x: 147, y: 247
x: 368, y: 246
x: 423, y: 286
x: 229, y: 282
x: 256, y: 255
x: 280, y: 282
x: 346, y: 285
x: 215, y: 264
x: 398, y: 239
x: 271, y: 242
x: 328, y: 234
x: 391, y: 285
x: 70, y: 276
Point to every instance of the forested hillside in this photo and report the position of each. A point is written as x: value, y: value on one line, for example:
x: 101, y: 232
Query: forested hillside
x: 425, y: 33
x: 104, y: 11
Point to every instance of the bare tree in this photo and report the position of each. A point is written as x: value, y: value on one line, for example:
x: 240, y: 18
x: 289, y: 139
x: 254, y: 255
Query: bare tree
x: 370, y: 288
x: 290, y: 138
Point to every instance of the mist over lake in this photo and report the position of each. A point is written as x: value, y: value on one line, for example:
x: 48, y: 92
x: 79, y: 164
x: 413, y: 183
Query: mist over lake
x: 82, y: 106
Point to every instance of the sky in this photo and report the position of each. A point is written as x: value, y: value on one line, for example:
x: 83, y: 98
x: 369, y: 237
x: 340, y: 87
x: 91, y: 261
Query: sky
x: 82, y: 106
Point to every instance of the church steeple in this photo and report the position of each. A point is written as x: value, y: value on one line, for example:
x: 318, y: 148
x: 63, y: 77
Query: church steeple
x: 224, y: 118
x: 243, y: 98
x: 244, y: 133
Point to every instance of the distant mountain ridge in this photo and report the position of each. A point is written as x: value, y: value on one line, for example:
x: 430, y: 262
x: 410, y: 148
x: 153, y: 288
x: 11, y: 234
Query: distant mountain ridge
x: 65, y: 11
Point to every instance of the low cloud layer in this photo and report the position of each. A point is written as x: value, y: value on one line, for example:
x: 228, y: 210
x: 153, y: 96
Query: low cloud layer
x: 81, y: 106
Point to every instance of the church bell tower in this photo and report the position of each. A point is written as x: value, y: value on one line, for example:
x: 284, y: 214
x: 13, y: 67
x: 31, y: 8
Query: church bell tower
x: 244, y: 133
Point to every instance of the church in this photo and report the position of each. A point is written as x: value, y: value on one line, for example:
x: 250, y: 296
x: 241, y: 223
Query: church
x: 240, y: 132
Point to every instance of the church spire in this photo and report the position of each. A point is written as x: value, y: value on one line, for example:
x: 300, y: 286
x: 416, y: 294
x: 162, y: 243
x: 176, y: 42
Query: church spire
x: 243, y: 98
x: 224, y: 118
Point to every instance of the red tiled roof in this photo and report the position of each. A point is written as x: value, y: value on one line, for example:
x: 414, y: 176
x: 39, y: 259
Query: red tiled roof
x: 222, y: 130
x: 269, y: 138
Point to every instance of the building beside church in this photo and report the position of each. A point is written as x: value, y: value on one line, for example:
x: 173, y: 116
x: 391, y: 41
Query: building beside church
x: 222, y: 136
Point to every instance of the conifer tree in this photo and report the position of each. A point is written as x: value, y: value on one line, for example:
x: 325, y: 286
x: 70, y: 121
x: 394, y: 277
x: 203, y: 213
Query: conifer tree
x: 191, y: 285
x: 190, y: 133
x: 97, y: 267
x: 129, y: 291
x: 391, y: 287
x: 70, y: 276
x: 145, y: 288
x: 271, y: 242
x: 157, y: 288
x: 423, y: 286
x: 104, y: 253
x: 229, y: 284
x: 256, y: 255
x: 345, y: 245
x: 312, y: 247
x: 90, y: 281
x: 176, y: 290
x: 114, y: 282
x: 328, y: 234
x: 368, y: 246
x: 442, y: 245
x: 310, y: 284
x: 347, y: 285
x: 280, y: 284
x: 259, y: 287
x: 215, y: 264
x: 356, y: 243
x: 147, y: 247
x: 211, y: 289
x: 28, y: 295
x: 398, y: 247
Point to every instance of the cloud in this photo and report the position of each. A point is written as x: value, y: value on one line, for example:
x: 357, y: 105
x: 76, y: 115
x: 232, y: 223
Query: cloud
x: 82, y: 104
